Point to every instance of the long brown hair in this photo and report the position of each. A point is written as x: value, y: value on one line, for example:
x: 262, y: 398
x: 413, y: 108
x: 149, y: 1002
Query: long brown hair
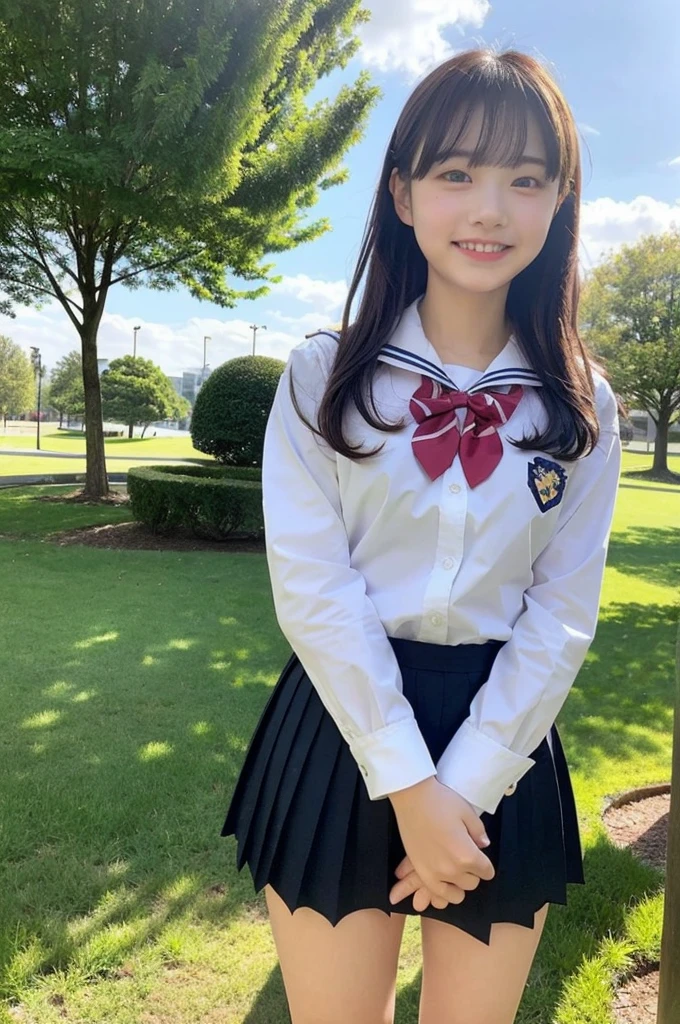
x: 542, y: 301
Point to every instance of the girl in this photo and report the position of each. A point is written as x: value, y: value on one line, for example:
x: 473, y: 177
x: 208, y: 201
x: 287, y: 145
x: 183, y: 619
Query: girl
x: 436, y: 562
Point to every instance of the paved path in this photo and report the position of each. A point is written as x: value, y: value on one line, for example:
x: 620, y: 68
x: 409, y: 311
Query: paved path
x: 46, y: 454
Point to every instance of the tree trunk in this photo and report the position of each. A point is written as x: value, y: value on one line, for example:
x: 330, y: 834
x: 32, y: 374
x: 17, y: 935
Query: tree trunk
x: 96, y: 480
x: 131, y: 430
x: 660, y: 464
x: 669, y: 977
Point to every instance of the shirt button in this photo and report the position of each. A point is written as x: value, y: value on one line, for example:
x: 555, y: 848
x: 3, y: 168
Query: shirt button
x: 511, y: 789
x: 448, y: 563
x: 436, y: 619
x: 454, y: 488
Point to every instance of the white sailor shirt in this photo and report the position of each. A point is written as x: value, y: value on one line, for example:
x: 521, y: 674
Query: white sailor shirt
x: 359, y: 551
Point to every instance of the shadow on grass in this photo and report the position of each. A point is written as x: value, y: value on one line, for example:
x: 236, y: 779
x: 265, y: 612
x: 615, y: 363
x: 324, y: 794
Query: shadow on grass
x: 130, y: 702
x: 649, y: 552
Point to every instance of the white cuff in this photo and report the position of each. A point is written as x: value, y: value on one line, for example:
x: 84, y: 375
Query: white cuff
x: 480, y: 769
x: 392, y: 758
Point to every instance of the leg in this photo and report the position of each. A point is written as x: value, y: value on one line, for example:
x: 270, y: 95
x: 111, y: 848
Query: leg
x: 467, y: 982
x: 337, y: 974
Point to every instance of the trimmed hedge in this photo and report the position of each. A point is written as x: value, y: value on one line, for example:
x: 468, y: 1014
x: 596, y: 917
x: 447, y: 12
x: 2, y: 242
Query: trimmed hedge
x: 214, y: 502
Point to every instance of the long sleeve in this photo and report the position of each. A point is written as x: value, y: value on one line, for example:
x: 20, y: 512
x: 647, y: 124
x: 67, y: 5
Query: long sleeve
x: 533, y: 672
x: 321, y: 602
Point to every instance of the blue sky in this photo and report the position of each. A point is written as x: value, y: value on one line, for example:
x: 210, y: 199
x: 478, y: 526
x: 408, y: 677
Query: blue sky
x: 618, y: 64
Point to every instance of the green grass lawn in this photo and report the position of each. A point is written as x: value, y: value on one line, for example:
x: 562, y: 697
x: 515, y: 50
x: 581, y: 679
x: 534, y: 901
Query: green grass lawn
x: 131, y: 682
x: 121, y: 452
x: 73, y: 441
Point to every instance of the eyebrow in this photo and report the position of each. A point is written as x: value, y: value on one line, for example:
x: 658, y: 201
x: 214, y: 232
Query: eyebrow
x: 524, y: 159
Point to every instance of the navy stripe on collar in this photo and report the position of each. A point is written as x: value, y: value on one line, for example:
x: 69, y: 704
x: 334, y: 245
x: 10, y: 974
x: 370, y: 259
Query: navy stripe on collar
x: 409, y: 360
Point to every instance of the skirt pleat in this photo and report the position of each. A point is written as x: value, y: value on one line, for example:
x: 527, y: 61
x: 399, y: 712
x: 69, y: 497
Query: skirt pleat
x: 304, y: 823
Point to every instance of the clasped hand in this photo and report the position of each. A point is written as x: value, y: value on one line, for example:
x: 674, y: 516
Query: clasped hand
x: 410, y: 882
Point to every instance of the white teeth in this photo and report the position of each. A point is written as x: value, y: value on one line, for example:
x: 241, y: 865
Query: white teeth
x: 478, y: 247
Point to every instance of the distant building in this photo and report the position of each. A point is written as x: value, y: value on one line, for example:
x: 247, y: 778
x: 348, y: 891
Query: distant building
x: 189, y: 384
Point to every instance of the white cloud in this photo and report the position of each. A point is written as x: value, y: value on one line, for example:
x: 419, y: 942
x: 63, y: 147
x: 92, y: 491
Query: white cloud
x: 324, y: 295
x: 606, y: 224
x: 675, y: 162
x: 179, y: 346
x: 406, y: 35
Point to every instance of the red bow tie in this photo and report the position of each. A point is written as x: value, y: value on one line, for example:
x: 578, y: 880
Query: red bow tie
x: 437, y: 437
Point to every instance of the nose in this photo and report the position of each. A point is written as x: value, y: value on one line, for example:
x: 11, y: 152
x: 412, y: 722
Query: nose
x: 488, y: 208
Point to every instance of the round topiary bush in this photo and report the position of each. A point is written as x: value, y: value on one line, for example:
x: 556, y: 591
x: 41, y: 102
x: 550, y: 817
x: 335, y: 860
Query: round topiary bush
x: 214, y: 502
x: 232, y: 407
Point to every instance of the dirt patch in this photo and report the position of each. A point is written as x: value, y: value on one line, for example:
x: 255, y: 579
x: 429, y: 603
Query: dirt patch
x: 636, y: 1002
x: 136, y: 536
x: 79, y: 498
x: 642, y: 826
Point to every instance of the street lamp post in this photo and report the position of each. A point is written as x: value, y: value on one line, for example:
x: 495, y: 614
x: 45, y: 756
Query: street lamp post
x: 255, y: 329
x: 37, y: 362
x: 134, y: 350
x: 206, y: 338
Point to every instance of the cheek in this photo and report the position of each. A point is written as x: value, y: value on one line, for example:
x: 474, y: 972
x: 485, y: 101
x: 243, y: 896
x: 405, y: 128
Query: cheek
x: 434, y: 220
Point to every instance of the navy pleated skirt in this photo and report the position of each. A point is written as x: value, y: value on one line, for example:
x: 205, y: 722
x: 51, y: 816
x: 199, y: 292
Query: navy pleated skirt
x: 304, y: 823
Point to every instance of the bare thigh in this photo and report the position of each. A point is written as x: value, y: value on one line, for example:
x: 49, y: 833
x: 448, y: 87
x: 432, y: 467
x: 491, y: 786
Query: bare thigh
x: 467, y: 982
x: 333, y: 975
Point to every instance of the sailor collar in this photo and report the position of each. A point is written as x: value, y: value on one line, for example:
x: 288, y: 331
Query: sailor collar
x: 408, y: 348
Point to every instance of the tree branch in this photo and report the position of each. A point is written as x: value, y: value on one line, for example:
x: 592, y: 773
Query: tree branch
x: 45, y: 291
x: 58, y: 292
x: 152, y: 266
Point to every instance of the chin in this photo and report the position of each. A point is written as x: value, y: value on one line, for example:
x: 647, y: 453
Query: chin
x: 478, y: 284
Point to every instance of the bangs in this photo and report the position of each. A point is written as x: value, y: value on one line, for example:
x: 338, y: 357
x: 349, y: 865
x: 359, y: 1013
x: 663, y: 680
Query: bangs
x: 502, y: 139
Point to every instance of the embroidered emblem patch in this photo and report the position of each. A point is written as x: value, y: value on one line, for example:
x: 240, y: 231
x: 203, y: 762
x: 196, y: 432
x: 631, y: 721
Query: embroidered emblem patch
x: 546, y: 482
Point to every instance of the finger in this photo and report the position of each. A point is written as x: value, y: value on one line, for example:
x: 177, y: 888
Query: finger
x: 421, y: 899
x: 401, y: 891
x: 404, y: 887
x: 404, y: 868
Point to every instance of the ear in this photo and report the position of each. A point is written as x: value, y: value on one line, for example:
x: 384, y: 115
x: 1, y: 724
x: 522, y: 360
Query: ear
x: 400, y: 193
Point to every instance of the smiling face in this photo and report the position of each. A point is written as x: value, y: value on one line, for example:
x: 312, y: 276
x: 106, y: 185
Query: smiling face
x: 455, y: 202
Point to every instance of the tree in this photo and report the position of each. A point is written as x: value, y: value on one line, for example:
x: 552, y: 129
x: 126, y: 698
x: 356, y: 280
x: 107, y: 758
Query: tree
x: 630, y: 306
x: 136, y: 391
x: 164, y: 144
x: 17, y: 379
x: 67, y: 394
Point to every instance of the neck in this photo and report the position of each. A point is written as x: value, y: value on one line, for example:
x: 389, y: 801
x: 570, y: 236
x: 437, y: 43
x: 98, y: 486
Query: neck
x: 464, y: 327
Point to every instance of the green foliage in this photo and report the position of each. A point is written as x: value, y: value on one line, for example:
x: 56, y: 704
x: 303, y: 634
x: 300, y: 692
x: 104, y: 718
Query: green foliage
x: 174, y: 139
x: 17, y: 380
x: 165, y: 144
x: 67, y: 393
x: 630, y: 307
x: 135, y: 390
x: 214, y: 502
x: 232, y: 408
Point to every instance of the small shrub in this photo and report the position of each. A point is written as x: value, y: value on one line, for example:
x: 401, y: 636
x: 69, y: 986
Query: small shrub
x: 214, y: 502
x: 232, y: 407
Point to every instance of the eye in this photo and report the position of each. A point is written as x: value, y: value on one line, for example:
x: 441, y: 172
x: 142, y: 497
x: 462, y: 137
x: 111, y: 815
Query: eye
x: 537, y: 183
